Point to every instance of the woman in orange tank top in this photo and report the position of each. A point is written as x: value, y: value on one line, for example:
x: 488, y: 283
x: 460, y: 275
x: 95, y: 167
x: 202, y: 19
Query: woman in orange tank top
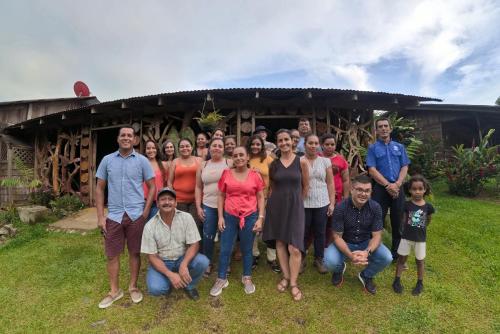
x: 183, y: 178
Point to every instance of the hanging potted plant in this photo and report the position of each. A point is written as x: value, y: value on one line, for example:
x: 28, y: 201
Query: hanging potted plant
x: 208, y: 121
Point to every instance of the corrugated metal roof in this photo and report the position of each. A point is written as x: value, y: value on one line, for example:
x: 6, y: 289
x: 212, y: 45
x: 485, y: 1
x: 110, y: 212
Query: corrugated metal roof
x: 322, y: 92
x: 326, y: 91
x: 49, y: 100
x: 280, y: 90
x: 456, y: 107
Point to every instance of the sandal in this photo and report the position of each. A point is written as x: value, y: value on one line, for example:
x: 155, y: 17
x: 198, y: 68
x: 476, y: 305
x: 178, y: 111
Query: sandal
x: 298, y: 295
x: 283, y: 284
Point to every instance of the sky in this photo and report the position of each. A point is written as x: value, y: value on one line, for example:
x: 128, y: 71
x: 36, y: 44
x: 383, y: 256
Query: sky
x: 443, y: 49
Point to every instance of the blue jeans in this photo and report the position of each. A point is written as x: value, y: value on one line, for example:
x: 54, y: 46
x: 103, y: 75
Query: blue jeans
x: 228, y: 238
x: 379, y: 259
x: 158, y: 284
x: 209, y: 230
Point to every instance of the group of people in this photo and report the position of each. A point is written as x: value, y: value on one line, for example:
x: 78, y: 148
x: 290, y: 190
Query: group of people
x: 290, y: 194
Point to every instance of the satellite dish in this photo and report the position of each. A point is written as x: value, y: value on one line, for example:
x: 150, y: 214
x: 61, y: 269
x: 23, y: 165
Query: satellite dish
x: 81, y: 89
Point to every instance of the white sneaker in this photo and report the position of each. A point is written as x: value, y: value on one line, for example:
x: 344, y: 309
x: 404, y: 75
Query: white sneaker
x: 218, y: 286
x: 248, y: 284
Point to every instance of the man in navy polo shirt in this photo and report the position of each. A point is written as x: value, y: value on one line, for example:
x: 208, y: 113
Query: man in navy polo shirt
x: 357, y: 236
x: 387, y: 164
x: 124, y: 172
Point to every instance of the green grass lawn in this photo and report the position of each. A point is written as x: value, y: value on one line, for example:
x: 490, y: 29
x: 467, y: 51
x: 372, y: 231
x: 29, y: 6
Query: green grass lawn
x: 51, y: 282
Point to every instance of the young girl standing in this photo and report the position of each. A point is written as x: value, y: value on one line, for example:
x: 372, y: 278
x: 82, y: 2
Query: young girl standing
x: 416, y: 218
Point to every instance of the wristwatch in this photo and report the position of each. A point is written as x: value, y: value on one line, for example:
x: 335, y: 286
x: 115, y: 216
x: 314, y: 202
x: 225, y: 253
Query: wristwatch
x: 369, y: 251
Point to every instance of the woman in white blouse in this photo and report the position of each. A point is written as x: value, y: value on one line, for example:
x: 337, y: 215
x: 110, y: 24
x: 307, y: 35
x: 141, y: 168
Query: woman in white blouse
x: 320, y: 200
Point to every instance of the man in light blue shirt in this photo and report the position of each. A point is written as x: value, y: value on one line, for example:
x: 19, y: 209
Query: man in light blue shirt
x: 304, y: 129
x: 387, y: 163
x: 124, y: 172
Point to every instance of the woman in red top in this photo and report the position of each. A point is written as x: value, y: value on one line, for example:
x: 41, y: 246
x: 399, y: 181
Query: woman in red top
x: 241, y: 212
x: 160, y: 169
x: 183, y: 178
x: 340, y: 169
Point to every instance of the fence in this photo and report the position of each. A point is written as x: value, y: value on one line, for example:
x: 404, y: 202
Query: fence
x: 8, y: 169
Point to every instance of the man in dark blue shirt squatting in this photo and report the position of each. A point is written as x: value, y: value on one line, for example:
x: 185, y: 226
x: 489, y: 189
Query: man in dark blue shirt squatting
x: 387, y: 164
x: 357, y: 236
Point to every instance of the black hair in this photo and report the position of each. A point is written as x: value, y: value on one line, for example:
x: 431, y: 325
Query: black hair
x: 219, y: 129
x: 364, y: 179
x: 184, y: 139
x: 126, y: 127
x: 229, y: 137
x: 164, y: 145
x: 207, y: 137
x: 309, y: 135
x: 215, y: 139
x: 158, y: 160
x: 246, y: 151
x: 382, y: 119
x: 327, y: 136
x: 262, y: 154
x: 418, y: 178
x: 280, y: 131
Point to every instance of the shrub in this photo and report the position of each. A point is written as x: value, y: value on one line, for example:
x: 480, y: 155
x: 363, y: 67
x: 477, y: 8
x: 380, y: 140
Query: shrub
x: 425, y: 160
x: 9, y: 216
x: 42, y: 197
x: 65, y: 205
x: 469, y: 168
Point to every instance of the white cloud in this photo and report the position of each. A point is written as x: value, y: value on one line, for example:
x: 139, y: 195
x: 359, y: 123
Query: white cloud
x: 355, y: 75
x: 128, y: 48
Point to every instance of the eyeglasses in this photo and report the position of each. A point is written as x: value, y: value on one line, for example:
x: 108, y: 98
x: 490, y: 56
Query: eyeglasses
x: 361, y: 190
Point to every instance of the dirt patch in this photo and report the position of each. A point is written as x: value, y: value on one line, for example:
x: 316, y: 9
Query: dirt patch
x: 300, y: 321
x: 216, y: 303
x: 212, y: 327
x: 126, y: 305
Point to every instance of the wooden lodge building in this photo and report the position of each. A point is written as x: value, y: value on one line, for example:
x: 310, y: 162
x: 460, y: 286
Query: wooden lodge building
x: 454, y: 124
x: 67, y: 145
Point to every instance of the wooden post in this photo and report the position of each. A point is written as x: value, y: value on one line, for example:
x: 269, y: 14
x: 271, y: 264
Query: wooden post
x: 329, y: 130
x: 314, y: 120
x: 478, y: 127
x: 10, y: 156
x: 253, y: 121
x: 238, y: 126
x: 140, y: 134
x: 35, y: 160
x: 92, y: 166
x: 55, y: 166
